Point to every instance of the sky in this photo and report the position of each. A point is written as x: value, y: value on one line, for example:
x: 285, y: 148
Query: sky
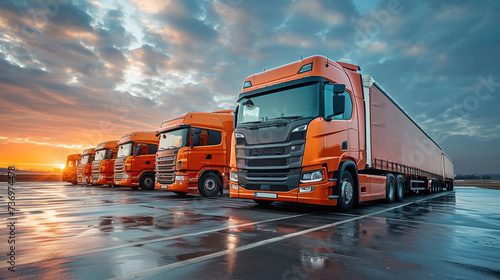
x: 76, y: 73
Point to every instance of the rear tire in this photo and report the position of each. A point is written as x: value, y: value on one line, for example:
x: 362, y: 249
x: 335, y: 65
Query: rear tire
x: 400, y: 188
x: 263, y: 202
x: 147, y: 182
x: 390, y: 188
x: 209, y: 185
x: 347, y: 192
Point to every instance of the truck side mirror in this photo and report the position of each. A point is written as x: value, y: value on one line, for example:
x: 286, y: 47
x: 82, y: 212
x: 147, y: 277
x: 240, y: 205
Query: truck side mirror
x: 196, y: 140
x: 338, y: 104
x: 338, y: 88
x: 138, y: 150
x: 235, y: 116
x: 110, y: 154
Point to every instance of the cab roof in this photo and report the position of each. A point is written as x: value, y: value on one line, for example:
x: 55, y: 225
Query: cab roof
x: 311, y: 66
x: 111, y: 144
x: 222, y: 119
x: 139, y: 136
x: 89, y: 151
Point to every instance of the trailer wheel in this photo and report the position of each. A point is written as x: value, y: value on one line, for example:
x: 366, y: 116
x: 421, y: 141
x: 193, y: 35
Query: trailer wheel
x: 390, y: 188
x: 400, y: 189
x: 346, y: 199
x: 147, y: 182
x: 263, y: 202
x: 209, y: 185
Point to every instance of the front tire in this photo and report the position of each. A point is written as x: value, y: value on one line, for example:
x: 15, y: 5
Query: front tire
x: 209, y: 185
x: 147, y: 182
x: 346, y: 198
x: 74, y: 180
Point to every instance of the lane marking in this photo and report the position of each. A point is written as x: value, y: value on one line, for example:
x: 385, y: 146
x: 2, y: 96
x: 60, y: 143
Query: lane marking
x: 137, y: 243
x: 164, y: 268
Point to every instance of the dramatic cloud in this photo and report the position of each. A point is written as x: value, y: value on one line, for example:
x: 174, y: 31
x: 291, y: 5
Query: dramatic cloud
x: 76, y: 73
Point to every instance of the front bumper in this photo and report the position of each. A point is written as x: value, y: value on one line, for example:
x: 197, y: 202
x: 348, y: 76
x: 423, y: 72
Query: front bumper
x: 319, y: 196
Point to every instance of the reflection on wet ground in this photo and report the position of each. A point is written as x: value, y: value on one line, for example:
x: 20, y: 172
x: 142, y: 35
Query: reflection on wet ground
x: 68, y: 232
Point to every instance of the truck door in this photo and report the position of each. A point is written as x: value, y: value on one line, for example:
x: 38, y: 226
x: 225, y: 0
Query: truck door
x: 336, y: 133
x: 200, y: 154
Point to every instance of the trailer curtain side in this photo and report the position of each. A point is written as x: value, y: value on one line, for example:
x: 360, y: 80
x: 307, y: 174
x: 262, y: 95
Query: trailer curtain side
x: 398, y: 144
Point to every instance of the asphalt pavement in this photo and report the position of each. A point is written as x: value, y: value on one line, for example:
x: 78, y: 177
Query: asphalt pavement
x: 97, y: 232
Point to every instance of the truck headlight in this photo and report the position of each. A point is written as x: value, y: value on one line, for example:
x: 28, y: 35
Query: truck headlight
x: 180, y: 178
x: 125, y: 176
x: 311, y: 176
x: 233, y: 176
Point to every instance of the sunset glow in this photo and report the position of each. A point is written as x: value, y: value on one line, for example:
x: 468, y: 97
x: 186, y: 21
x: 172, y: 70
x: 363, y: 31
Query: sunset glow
x: 87, y: 72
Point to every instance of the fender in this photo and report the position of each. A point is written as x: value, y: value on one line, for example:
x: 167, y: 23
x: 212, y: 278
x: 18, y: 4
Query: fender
x: 354, y: 172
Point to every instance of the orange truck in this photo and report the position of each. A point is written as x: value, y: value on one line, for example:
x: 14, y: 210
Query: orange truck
x: 194, y: 151
x: 69, y: 173
x: 84, y: 171
x: 104, y: 163
x: 135, y: 161
x: 316, y: 131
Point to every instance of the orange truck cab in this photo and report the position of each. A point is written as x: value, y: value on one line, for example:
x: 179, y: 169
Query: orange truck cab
x: 193, y: 155
x: 135, y: 162
x: 316, y: 131
x: 104, y: 163
x: 69, y: 172
x: 84, y: 173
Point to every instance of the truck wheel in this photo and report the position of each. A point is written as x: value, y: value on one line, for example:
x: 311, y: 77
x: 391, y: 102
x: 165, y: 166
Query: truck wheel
x: 209, y: 185
x: 400, y: 188
x: 346, y: 199
x: 390, y: 188
x: 147, y: 182
x: 263, y: 202
x: 74, y: 180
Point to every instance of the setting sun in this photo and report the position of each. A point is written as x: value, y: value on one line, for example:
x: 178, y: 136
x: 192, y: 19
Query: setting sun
x: 61, y: 166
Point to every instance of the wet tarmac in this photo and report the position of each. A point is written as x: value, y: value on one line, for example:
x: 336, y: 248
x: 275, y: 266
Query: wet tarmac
x: 96, y: 232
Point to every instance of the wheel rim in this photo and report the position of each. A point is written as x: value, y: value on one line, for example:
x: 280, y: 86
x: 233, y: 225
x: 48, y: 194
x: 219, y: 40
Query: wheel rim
x: 209, y: 184
x: 348, y: 191
x: 148, y: 182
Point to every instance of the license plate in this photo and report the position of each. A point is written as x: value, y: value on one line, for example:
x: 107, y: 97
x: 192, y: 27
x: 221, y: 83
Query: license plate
x: 266, y: 195
x: 164, y: 186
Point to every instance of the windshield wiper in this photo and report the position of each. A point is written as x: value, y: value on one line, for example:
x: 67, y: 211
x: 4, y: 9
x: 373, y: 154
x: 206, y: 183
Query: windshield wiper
x: 287, y: 118
x: 251, y: 122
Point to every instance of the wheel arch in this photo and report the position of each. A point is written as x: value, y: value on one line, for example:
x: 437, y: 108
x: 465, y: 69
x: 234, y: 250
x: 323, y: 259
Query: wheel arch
x: 350, y: 166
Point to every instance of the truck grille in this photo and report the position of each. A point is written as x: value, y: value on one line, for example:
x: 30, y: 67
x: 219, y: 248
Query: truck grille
x: 165, y: 169
x: 267, y: 151
x: 271, y: 167
x: 96, y: 164
x: 267, y: 162
x: 119, y: 169
x: 79, y: 174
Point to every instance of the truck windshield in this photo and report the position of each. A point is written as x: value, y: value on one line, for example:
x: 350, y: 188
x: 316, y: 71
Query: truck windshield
x: 85, y: 159
x: 174, y: 139
x: 101, y: 154
x: 125, y: 150
x: 70, y: 163
x: 292, y: 103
